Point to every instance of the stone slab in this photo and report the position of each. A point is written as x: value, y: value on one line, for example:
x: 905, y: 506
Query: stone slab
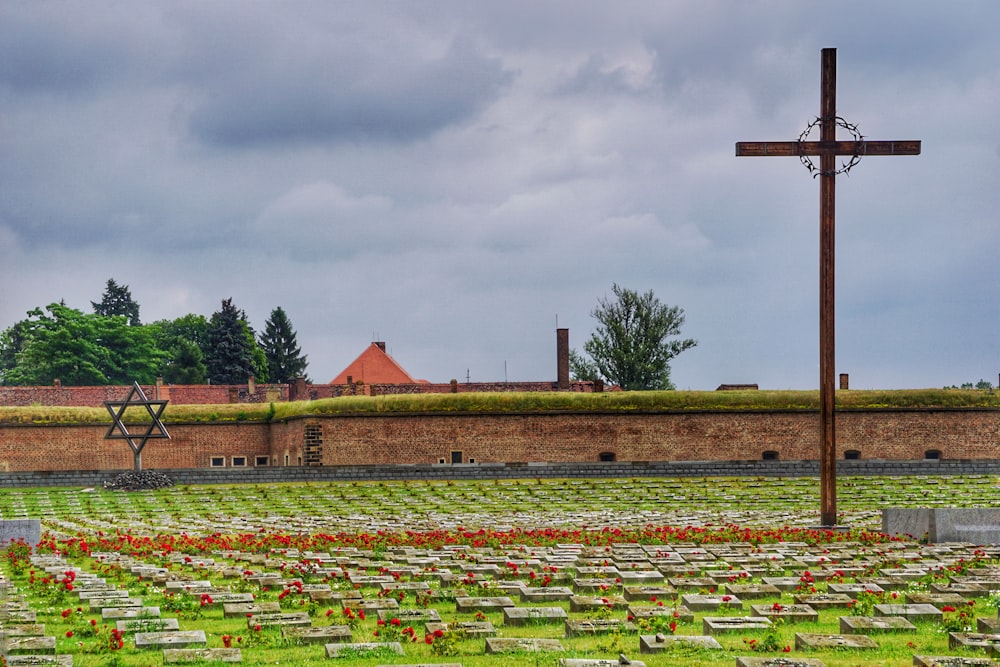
x: 168, y: 639
x: 533, y: 615
x: 974, y: 640
x: 265, y: 620
x: 40, y: 660
x: 522, y: 644
x: 12, y: 530
x: 743, y: 661
x: 867, y: 625
x: 243, y: 609
x: 715, y: 625
x: 176, y: 656
x: 950, y: 661
x: 596, y: 626
x: 317, y: 634
x: 914, y: 612
x: 130, y: 625
x: 978, y: 525
x: 472, y: 605
x: 805, y: 641
x: 790, y: 613
x: 596, y: 662
x: 30, y: 644
x: 359, y: 649
x: 662, y: 643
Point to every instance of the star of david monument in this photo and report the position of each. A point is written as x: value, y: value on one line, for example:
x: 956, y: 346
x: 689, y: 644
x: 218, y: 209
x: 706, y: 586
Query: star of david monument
x: 828, y: 148
x: 148, y: 431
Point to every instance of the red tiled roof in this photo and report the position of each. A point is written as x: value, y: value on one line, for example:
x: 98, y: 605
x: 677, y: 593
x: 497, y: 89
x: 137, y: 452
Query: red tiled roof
x: 374, y: 366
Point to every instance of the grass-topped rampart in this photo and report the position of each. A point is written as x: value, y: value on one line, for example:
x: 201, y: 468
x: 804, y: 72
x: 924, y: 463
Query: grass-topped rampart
x: 634, y: 401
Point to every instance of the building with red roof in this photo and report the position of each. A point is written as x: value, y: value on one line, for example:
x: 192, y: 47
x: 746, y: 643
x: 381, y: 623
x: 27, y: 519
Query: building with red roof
x: 375, y: 366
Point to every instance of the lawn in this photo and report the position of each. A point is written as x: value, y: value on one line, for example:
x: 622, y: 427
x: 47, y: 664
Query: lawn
x: 594, y: 565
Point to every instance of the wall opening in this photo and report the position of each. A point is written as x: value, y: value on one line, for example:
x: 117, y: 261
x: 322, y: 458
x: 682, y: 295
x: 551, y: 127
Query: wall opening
x: 769, y: 455
x: 607, y: 456
x: 852, y: 454
x: 456, y: 457
x: 262, y: 461
x: 239, y: 462
x: 217, y: 461
x: 932, y: 454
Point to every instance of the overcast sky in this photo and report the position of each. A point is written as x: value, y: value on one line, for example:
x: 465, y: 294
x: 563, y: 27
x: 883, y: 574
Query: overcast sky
x: 460, y: 178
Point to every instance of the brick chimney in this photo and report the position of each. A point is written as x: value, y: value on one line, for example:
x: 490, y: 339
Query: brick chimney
x: 562, y: 359
x: 380, y: 344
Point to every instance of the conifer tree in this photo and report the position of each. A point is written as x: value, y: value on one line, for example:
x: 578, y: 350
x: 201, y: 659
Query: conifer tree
x: 285, y: 360
x: 117, y: 300
x: 229, y: 359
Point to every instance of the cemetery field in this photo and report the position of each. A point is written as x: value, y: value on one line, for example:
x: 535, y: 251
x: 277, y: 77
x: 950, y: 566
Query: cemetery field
x: 726, y: 571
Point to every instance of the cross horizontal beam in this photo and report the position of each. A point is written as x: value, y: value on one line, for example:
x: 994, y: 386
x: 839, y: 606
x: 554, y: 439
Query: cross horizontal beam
x: 796, y: 148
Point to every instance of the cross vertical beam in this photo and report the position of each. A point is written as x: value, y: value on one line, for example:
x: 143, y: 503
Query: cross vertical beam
x: 827, y: 148
x: 827, y: 339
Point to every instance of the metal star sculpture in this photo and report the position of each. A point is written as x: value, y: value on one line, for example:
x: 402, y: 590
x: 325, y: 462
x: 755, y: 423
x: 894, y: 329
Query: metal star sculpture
x: 118, y: 430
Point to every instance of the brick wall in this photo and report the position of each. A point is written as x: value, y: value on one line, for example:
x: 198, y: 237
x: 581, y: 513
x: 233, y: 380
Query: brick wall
x: 382, y: 439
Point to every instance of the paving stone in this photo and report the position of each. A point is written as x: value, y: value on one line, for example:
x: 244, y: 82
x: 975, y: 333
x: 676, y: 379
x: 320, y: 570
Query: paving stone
x: 522, y: 644
x: 167, y: 639
x: 812, y: 641
x: 867, y: 625
x: 360, y: 649
x: 174, y: 656
x: 661, y: 643
x: 316, y: 634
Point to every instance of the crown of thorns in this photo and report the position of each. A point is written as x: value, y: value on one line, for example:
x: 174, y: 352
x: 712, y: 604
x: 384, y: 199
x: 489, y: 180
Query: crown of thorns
x: 846, y: 166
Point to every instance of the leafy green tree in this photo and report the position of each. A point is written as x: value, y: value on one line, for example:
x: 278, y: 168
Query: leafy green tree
x: 230, y: 355
x: 186, y: 365
x: 630, y: 347
x: 79, y: 349
x: 285, y: 360
x: 12, y: 341
x: 117, y: 300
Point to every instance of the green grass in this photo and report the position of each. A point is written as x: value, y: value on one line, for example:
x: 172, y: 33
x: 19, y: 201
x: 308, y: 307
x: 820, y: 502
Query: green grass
x: 193, y: 519
x: 635, y: 401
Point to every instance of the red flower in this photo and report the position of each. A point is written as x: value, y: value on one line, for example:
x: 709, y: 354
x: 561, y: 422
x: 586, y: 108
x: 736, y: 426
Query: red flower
x: 69, y: 633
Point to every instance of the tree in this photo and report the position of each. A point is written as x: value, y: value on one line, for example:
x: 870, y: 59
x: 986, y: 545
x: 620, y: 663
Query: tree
x: 285, y: 360
x: 117, y: 300
x: 229, y: 359
x: 630, y: 347
x: 186, y: 365
x: 79, y: 349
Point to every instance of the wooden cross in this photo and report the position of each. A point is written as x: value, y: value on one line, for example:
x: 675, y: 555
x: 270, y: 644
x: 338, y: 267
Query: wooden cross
x: 827, y: 148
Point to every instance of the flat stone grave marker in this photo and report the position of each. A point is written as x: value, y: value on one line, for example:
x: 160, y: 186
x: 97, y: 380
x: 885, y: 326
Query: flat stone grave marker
x: 661, y: 643
x: 409, y: 615
x: 914, y: 612
x: 972, y: 640
x: 629, y: 577
x: 22, y: 630
x: 587, y: 603
x: 716, y: 625
x: 30, y: 644
x: 28, y: 530
x: 790, y: 613
x: 988, y: 625
x: 777, y: 662
x: 316, y: 634
x: 647, y: 593
x: 597, y: 662
x: 546, y: 594
x: 519, y: 644
x: 266, y: 620
x: 966, y: 590
x: 596, y: 626
x: 854, y: 590
x: 592, y: 585
x: 937, y: 599
x: 681, y: 613
x: 174, y: 656
x: 824, y: 601
x: 533, y: 615
x: 950, y: 661
x: 866, y: 625
x: 371, y: 604
x: 805, y: 641
x: 472, y: 605
x: 40, y: 660
x: 114, y: 613
x: 168, y: 639
x: 17, y: 617
x: 783, y: 583
x: 752, y: 591
x: 696, y: 602
x: 692, y: 584
x: 360, y: 649
x: 471, y: 628
x: 224, y: 598
x: 242, y: 609
x: 130, y: 625
x: 92, y: 593
x: 99, y: 604
x: 180, y: 586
